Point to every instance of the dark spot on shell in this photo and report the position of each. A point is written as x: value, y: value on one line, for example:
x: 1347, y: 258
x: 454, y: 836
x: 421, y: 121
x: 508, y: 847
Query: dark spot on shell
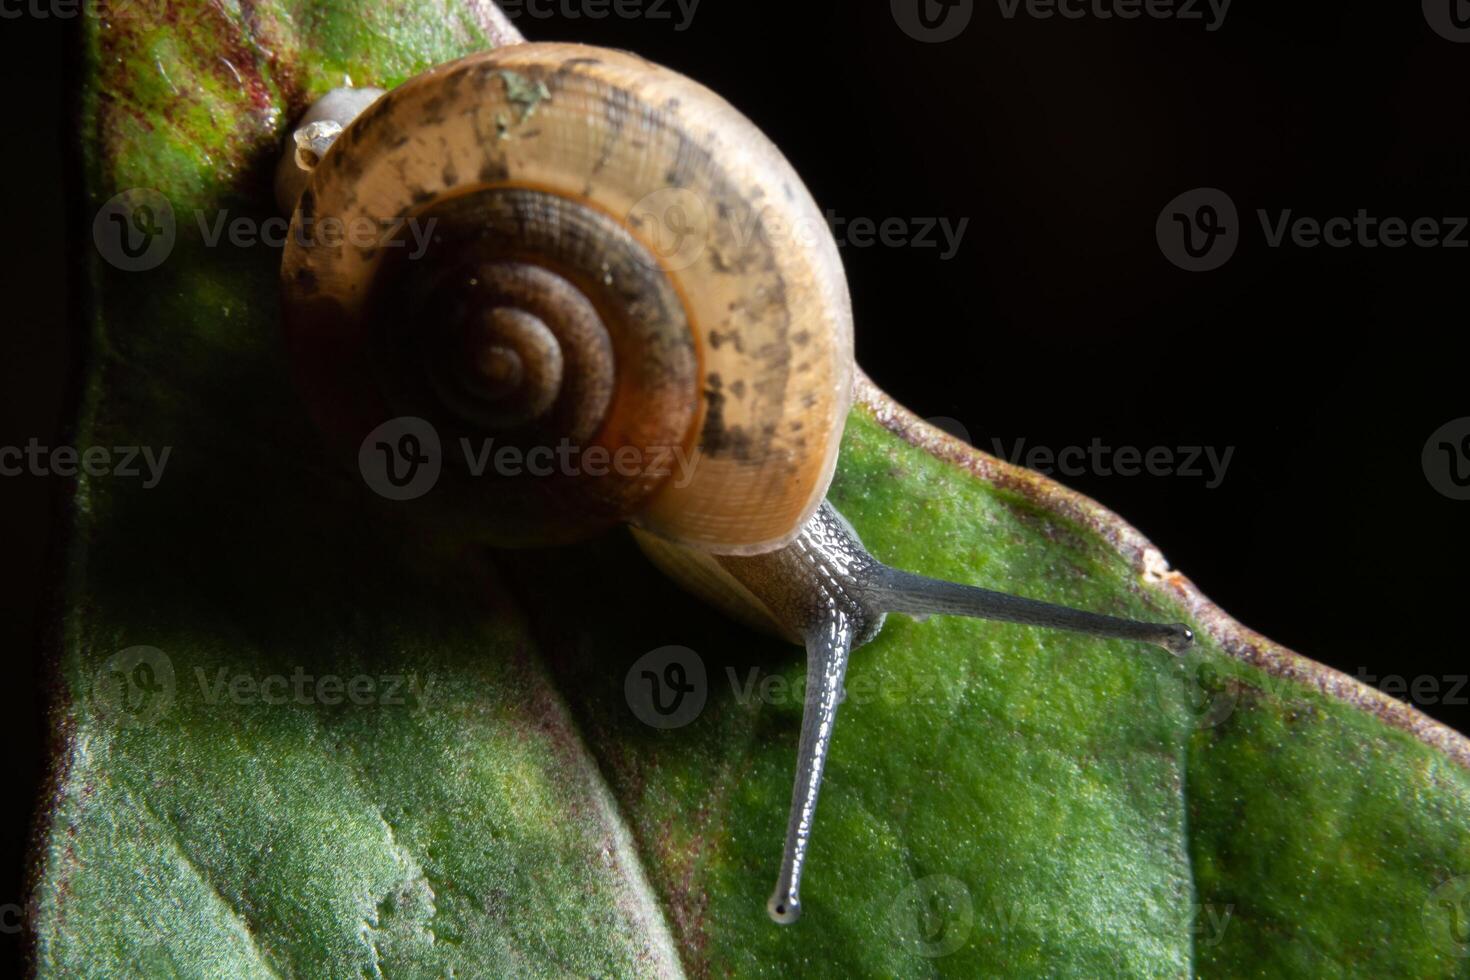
x: 449, y: 175
x: 801, y: 338
x: 738, y: 389
x: 421, y: 195
x: 306, y: 279
x: 713, y: 437
x: 493, y: 169
x: 689, y: 159
x: 718, y: 340
x: 619, y: 108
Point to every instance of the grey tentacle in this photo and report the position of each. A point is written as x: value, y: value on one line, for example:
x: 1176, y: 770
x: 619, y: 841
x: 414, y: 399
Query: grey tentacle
x: 827, y: 649
x: 825, y: 590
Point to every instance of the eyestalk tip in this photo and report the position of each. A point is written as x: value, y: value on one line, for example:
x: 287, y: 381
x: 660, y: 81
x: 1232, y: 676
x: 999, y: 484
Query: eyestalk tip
x: 1177, y: 639
x: 784, y: 909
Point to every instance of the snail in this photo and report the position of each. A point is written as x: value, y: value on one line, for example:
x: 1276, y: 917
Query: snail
x: 551, y: 307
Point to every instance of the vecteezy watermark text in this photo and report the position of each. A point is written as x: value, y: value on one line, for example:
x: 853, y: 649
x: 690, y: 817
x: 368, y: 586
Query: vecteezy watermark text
x: 139, y: 685
x: 328, y: 232
x: 669, y: 688
x: 1211, y: 12
x: 681, y: 226
x: 35, y: 459
x: 895, y: 232
x: 1422, y: 690
x: 301, y: 687
x: 1190, y: 462
x: 136, y: 230
x: 937, y: 915
x: 603, y: 9
x: 174, y: 12
x: 936, y: 21
x: 403, y: 458
x: 1200, y: 229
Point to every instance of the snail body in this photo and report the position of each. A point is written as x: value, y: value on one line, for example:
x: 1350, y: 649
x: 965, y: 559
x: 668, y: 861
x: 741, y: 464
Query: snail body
x: 617, y: 260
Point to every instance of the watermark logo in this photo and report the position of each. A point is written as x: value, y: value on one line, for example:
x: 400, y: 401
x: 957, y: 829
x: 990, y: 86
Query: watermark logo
x: 135, y: 686
x: 134, y: 231
x: 667, y: 688
x: 949, y: 426
x: 1446, y: 459
x: 401, y: 459
x: 933, y: 917
x: 932, y: 21
x: 1197, y: 688
x: 1450, y: 19
x: 1447, y: 916
x: 1198, y: 230
x: 675, y: 224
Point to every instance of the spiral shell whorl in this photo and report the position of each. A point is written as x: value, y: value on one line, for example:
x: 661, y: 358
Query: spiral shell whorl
x: 541, y: 323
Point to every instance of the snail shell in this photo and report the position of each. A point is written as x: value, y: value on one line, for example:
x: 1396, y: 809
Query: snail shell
x: 617, y: 259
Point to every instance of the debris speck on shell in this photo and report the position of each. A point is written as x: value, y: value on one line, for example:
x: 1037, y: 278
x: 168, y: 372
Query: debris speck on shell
x: 524, y: 93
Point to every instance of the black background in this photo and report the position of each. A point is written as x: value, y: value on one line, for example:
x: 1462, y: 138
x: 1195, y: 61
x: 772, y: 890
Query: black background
x: 1058, y: 322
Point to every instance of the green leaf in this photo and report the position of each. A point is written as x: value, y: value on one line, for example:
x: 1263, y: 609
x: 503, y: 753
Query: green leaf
x: 292, y: 741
